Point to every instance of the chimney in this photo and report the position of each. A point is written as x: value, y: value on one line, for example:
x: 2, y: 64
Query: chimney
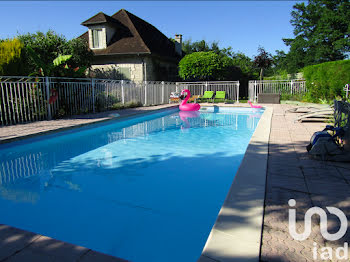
x: 178, y: 44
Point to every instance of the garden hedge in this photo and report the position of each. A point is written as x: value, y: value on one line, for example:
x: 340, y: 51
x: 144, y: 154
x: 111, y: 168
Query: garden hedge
x: 327, y: 80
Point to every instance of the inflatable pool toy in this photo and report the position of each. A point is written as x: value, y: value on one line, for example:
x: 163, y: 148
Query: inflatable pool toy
x: 253, y: 106
x: 188, y: 114
x: 188, y: 107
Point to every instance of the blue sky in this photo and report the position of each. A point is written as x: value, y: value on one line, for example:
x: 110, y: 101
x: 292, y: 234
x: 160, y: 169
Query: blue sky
x: 243, y: 25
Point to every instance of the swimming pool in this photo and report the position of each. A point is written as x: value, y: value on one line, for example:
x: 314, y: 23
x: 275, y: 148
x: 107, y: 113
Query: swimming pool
x: 143, y: 189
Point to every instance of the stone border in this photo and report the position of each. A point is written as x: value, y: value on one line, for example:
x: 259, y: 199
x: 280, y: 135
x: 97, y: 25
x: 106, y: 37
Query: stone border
x: 236, y: 234
x: 107, y: 118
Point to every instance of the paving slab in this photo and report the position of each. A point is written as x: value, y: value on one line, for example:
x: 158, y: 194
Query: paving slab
x: 13, y: 240
x: 292, y: 174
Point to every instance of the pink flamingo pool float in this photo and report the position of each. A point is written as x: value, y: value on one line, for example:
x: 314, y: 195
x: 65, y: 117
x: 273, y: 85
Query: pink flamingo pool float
x: 188, y: 107
x: 253, y: 106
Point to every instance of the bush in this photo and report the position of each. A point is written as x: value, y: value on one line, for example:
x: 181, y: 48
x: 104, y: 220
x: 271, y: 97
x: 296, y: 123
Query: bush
x: 48, y: 46
x: 293, y: 97
x: 130, y: 104
x: 201, y: 66
x: 11, y: 57
x: 327, y: 80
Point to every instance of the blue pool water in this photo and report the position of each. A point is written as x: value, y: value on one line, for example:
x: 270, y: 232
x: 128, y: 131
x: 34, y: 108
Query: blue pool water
x: 143, y: 189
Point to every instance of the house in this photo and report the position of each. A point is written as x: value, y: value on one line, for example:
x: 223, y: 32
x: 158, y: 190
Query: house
x: 127, y: 47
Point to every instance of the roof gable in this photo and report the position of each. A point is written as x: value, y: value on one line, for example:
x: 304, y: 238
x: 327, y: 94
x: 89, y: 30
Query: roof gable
x: 96, y: 19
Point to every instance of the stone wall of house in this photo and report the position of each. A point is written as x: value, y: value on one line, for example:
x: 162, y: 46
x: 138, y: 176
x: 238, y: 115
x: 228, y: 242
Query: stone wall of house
x: 121, y: 68
x: 160, y: 70
x: 133, y: 68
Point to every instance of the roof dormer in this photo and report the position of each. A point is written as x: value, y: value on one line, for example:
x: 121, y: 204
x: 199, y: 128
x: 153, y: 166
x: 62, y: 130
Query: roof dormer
x: 101, y: 30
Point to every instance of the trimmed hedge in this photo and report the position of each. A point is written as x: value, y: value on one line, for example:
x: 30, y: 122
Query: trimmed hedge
x: 326, y: 80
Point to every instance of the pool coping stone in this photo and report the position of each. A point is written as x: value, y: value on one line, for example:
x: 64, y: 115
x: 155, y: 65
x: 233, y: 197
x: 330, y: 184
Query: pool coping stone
x: 109, y: 116
x: 236, y: 234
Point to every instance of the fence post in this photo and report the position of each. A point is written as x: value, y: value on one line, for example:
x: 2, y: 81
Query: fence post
x: 145, y: 83
x: 255, y: 93
x: 123, y: 96
x: 93, y: 94
x: 237, y: 92
x: 163, y: 92
x: 206, y: 86
x: 291, y: 87
x: 177, y: 87
x: 47, y: 85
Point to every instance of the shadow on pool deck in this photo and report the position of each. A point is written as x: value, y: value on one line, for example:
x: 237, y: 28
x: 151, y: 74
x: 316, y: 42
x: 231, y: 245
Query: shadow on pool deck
x: 292, y: 174
x: 19, y: 245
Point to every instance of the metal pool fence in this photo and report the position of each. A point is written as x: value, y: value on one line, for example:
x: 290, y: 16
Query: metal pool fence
x: 285, y: 87
x: 198, y: 88
x: 26, y: 99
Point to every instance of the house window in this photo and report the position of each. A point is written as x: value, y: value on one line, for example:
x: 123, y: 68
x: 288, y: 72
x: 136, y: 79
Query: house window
x: 125, y: 73
x: 96, y: 38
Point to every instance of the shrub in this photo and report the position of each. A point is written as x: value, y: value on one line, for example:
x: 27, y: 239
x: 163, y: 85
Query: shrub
x: 130, y: 104
x: 326, y: 80
x: 293, y: 97
x: 208, y: 66
x: 48, y: 46
x: 11, y: 57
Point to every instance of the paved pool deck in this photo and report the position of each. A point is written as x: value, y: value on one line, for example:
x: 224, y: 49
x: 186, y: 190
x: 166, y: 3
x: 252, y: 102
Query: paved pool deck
x: 290, y: 173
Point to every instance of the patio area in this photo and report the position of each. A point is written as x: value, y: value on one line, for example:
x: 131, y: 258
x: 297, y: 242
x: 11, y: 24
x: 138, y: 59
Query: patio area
x: 290, y: 174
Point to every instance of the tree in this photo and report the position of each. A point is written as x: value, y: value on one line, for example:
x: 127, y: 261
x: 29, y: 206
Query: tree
x: 321, y: 29
x: 246, y: 65
x: 207, y: 66
x: 190, y: 47
x: 48, y: 46
x: 263, y: 60
x: 11, y: 57
x: 58, y: 67
x: 81, y: 55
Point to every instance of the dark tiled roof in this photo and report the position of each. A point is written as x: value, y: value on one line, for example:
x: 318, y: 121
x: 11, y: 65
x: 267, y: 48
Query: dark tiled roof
x: 101, y: 18
x: 133, y: 36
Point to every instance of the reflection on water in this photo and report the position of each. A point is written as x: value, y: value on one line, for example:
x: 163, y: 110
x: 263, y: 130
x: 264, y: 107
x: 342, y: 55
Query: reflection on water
x: 184, y: 115
x: 26, y: 165
x: 253, y: 119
